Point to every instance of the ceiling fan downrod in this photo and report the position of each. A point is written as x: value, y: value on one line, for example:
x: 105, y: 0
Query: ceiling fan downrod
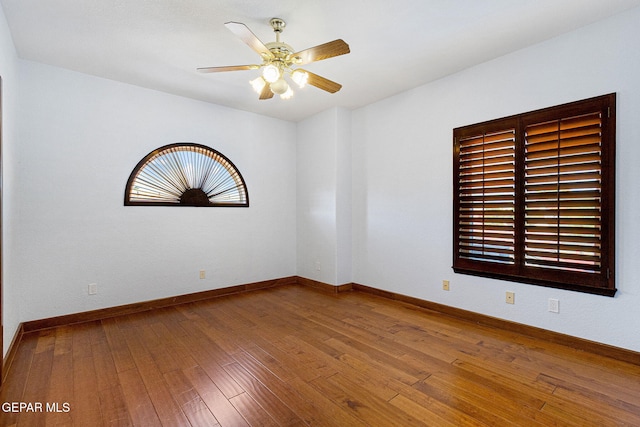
x: 278, y: 25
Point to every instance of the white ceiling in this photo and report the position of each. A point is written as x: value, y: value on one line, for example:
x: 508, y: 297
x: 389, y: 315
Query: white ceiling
x: 395, y: 45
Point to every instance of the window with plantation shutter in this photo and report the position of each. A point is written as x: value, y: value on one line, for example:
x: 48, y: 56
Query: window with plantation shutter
x: 534, y: 197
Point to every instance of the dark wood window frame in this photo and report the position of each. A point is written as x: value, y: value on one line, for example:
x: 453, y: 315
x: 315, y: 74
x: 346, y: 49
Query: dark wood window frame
x: 534, y: 197
x: 186, y: 174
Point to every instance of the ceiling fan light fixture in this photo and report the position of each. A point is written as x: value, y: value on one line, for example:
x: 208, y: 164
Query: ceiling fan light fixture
x: 258, y: 84
x: 271, y: 73
x: 280, y: 86
x: 279, y: 58
x: 300, y: 77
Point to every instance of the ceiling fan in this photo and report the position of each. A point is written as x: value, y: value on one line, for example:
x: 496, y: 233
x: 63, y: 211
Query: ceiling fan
x: 279, y: 59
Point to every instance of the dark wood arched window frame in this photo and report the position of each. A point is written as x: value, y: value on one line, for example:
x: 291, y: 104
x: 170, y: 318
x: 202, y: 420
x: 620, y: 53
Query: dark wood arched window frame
x: 186, y: 174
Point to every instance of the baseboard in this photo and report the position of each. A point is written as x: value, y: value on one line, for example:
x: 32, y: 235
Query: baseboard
x: 582, y: 344
x: 11, y: 353
x: 325, y: 287
x: 105, y: 313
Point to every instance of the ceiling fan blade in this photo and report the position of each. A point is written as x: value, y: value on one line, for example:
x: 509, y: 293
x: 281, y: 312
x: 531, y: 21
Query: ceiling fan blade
x: 320, y: 52
x: 250, y: 39
x: 266, y: 92
x: 322, y: 83
x: 228, y: 68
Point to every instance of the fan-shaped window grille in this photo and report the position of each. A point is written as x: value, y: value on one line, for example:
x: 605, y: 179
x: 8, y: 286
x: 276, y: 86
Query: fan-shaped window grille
x: 186, y: 174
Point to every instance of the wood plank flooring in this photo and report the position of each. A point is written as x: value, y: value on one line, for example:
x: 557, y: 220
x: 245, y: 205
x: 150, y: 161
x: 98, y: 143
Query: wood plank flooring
x: 294, y: 356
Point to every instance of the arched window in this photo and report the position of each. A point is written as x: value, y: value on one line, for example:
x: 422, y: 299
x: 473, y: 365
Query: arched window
x: 186, y: 174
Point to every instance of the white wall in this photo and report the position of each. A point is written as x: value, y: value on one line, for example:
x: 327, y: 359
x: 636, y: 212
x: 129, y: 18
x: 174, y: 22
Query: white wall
x: 8, y: 71
x: 80, y: 138
x: 402, y: 179
x: 324, y: 197
x: 344, y: 198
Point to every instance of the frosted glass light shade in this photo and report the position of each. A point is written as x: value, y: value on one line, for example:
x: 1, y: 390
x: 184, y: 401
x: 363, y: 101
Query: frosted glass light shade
x: 258, y: 84
x: 271, y: 73
x: 300, y: 77
x: 279, y: 86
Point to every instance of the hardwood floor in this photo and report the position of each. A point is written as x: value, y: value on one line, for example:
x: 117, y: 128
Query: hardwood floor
x: 291, y: 355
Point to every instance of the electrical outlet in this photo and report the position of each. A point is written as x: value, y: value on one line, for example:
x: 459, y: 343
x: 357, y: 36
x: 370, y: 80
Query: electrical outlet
x: 203, y: 274
x: 92, y: 289
x: 445, y: 285
x: 511, y: 297
x: 554, y: 305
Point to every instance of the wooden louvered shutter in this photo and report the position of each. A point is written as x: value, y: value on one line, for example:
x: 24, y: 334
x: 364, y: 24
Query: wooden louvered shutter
x: 563, y: 194
x: 534, y: 197
x: 486, y: 227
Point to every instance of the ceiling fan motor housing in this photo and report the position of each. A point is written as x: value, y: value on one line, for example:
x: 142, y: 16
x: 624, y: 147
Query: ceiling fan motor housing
x: 281, y: 52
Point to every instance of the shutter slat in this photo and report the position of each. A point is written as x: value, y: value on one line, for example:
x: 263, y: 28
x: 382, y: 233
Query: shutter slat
x: 504, y: 184
x: 563, y: 187
x: 567, y: 152
x: 566, y: 169
x: 502, y: 206
x: 590, y: 243
x: 567, y: 204
x: 584, y: 158
x: 568, y: 261
x: 495, y: 163
x: 562, y: 221
x: 575, y: 176
x: 584, y: 196
x: 534, y: 233
x: 538, y: 246
x: 483, y: 229
x: 564, y: 140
